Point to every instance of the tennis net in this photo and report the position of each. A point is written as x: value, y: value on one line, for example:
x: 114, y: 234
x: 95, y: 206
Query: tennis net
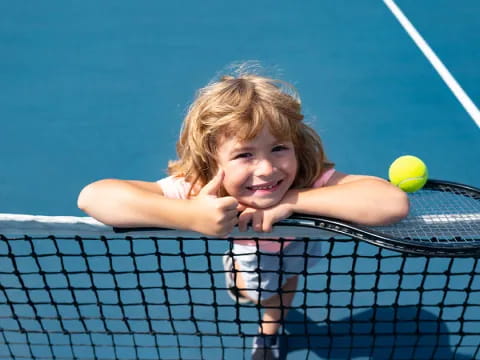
x: 72, y: 288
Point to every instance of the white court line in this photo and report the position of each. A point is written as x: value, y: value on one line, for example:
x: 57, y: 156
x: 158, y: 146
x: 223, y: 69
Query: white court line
x: 457, y: 90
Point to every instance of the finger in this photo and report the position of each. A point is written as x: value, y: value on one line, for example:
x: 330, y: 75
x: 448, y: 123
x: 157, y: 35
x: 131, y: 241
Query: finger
x: 257, y: 220
x: 241, y: 207
x: 234, y: 222
x: 244, y: 219
x: 267, y: 224
x: 229, y: 203
x: 230, y: 225
x: 231, y: 214
x: 213, y: 186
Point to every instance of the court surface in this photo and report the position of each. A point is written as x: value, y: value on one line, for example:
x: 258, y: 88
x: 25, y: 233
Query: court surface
x: 93, y: 90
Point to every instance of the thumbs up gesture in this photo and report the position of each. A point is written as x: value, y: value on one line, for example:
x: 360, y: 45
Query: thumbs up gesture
x: 214, y: 215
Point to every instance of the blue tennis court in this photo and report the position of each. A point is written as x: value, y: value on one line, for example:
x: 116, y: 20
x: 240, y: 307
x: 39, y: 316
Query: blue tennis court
x: 97, y: 90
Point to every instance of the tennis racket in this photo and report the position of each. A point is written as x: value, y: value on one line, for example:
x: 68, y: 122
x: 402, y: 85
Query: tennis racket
x: 444, y: 221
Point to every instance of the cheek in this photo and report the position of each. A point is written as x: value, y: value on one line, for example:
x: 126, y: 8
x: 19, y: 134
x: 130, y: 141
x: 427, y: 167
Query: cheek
x: 290, y: 166
x: 295, y: 171
x: 234, y: 179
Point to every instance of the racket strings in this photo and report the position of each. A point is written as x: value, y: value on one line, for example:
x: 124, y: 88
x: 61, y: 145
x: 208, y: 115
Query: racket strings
x: 445, y: 214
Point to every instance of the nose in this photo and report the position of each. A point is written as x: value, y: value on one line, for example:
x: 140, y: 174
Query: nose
x: 264, y: 167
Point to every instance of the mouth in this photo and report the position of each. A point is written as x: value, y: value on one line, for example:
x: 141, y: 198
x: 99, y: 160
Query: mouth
x: 269, y: 187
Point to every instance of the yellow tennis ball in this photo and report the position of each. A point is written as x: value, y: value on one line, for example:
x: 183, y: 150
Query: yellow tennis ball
x: 409, y: 173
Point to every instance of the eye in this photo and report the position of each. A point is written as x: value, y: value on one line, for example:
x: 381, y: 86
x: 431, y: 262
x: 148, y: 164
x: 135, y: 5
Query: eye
x: 280, y: 148
x: 245, y: 155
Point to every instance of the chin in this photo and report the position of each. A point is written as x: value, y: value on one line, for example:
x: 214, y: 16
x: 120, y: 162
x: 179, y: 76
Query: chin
x: 260, y: 203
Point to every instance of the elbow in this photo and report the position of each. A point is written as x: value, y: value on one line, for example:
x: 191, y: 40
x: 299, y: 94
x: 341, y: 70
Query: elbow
x: 107, y: 201
x: 90, y: 194
x: 393, y: 209
x: 398, y: 209
x: 85, y: 198
x: 404, y: 207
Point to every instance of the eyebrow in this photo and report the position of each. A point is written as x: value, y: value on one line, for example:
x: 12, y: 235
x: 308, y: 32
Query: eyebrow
x: 243, y: 149
x: 247, y: 148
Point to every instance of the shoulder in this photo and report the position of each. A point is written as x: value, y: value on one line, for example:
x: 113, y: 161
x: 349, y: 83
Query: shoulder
x: 334, y: 177
x: 339, y: 178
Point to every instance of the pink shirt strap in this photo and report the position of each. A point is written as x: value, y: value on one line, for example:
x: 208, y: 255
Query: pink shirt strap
x: 323, y: 179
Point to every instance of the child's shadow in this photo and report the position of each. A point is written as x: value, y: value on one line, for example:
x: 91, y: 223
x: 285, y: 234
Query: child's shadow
x: 381, y: 338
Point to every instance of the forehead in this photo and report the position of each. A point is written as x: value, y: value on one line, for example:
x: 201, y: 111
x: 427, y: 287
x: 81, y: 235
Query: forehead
x: 264, y: 137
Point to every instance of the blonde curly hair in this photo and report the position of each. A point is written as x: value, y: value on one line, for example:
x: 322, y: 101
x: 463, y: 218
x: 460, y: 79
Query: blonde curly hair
x: 240, y: 107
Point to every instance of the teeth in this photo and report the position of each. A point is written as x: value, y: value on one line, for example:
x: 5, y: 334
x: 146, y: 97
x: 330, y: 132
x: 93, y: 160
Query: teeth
x: 263, y: 187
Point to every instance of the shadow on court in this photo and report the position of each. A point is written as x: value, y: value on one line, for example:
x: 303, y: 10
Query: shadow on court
x: 393, y: 334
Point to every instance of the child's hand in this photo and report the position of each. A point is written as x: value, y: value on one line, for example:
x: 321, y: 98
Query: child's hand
x: 262, y: 220
x: 214, y: 215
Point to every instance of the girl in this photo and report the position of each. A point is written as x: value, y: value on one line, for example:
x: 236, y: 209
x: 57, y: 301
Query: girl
x: 245, y: 157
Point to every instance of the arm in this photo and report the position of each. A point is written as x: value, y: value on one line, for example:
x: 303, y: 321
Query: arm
x: 126, y: 203
x: 362, y: 199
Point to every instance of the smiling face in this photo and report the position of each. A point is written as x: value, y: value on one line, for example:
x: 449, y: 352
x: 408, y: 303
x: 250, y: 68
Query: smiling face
x: 258, y: 172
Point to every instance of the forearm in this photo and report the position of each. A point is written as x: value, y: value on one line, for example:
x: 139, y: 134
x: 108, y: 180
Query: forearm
x: 369, y: 201
x: 119, y: 203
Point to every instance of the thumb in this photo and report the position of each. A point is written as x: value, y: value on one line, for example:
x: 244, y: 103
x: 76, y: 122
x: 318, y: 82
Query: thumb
x: 213, y: 186
x: 241, y: 207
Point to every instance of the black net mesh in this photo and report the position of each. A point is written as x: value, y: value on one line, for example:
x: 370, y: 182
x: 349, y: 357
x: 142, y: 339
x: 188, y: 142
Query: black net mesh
x: 165, y: 298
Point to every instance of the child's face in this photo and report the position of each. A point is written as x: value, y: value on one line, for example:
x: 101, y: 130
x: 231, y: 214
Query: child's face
x: 258, y: 172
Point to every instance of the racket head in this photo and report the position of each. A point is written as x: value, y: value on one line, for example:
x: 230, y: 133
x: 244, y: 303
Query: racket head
x: 444, y: 220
